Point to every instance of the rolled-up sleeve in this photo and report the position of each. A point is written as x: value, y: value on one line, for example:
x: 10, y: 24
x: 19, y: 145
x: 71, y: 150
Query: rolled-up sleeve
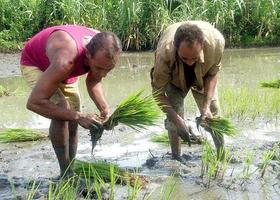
x: 218, y: 57
x: 161, y: 74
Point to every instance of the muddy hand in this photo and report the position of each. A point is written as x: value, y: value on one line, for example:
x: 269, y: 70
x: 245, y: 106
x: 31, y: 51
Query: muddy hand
x: 200, y: 122
x: 185, y: 135
x: 96, y: 131
x: 109, y: 124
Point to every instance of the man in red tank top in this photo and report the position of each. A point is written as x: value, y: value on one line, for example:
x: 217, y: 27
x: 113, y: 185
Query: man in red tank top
x: 51, y: 62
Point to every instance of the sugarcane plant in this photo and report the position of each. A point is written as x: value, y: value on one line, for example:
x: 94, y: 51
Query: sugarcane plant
x: 271, y: 84
x: 21, y: 135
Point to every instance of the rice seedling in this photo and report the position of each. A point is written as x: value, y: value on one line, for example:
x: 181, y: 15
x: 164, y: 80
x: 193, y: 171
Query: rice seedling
x: 245, y: 103
x: 65, y: 189
x: 21, y: 135
x: 13, y: 188
x: 162, y: 138
x: 212, y: 165
x: 4, y: 91
x: 107, y: 172
x: 265, y: 160
x: 247, y: 170
x: 113, y: 178
x: 167, y: 190
x: 220, y: 126
x: 32, y: 191
x: 271, y: 84
x: 133, y: 193
x: 100, y: 168
x: 136, y: 111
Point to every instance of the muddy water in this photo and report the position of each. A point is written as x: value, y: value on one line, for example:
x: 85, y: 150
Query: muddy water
x: 130, y: 149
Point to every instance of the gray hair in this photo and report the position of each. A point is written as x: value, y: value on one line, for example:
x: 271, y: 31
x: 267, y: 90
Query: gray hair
x: 106, y: 41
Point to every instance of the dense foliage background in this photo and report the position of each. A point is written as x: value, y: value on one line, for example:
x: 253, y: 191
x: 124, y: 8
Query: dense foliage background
x: 139, y: 23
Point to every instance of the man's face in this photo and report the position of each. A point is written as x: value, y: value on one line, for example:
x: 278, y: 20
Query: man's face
x: 100, y: 65
x: 189, y: 55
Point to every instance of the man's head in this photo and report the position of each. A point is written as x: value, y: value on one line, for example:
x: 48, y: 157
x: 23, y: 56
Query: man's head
x: 103, y: 52
x: 188, y: 41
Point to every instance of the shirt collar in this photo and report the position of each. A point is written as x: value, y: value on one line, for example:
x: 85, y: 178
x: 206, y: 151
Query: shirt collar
x: 201, y: 57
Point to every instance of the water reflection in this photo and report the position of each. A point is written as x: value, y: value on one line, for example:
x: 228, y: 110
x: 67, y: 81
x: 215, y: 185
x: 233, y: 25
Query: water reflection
x: 240, y: 67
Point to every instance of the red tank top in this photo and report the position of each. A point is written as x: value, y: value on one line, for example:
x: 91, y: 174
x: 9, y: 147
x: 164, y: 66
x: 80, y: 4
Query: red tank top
x: 34, y: 51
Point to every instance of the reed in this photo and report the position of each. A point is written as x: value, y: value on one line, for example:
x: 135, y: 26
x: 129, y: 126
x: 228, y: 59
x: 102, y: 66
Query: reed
x: 21, y: 135
x: 139, y: 23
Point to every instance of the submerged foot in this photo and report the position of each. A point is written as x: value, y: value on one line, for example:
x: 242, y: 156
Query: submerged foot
x: 180, y: 159
x: 196, y: 139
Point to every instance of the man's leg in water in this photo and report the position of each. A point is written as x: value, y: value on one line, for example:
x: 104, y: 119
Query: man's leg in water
x: 71, y: 93
x: 176, y: 99
x: 59, y: 137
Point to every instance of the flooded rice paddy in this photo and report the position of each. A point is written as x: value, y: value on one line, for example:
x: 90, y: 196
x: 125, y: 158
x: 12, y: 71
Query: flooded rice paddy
x: 243, y: 68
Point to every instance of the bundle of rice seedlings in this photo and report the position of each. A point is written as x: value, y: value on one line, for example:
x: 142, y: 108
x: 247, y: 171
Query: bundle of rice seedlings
x: 221, y: 126
x: 271, y: 84
x: 136, y: 111
x: 162, y: 138
x: 101, y: 169
x: 20, y: 135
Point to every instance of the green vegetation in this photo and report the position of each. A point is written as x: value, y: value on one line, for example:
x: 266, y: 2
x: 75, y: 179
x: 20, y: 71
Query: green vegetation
x: 21, y: 135
x: 266, y: 159
x: 244, y: 103
x: 212, y: 166
x: 100, y: 168
x: 139, y: 23
x: 221, y: 126
x: 271, y: 84
x: 162, y: 138
x: 136, y: 111
x: 4, y: 91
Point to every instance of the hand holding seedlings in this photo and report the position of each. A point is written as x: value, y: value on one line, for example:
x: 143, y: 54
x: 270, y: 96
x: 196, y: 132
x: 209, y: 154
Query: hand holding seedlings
x: 184, y: 131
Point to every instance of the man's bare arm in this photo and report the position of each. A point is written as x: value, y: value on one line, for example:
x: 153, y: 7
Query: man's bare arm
x: 210, y: 83
x: 61, y: 51
x: 95, y: 90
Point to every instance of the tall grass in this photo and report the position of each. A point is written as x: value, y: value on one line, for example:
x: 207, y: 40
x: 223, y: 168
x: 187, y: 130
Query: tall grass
x: 139, y: 23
